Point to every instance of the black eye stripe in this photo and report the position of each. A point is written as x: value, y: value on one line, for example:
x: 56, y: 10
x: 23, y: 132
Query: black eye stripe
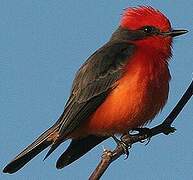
x: 134, y: 35
x: 149, y: 29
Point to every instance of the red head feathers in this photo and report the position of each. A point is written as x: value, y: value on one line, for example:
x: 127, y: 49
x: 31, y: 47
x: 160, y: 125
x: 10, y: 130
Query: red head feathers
x: 135, y: 18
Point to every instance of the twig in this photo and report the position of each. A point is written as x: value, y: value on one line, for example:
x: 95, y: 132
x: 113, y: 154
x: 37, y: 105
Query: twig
x: 165, y: 127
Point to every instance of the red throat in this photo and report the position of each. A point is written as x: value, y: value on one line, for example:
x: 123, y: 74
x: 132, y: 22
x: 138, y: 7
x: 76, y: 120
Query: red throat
x: 156, y: 47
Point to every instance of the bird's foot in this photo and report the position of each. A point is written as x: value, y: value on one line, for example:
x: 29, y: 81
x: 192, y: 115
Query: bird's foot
x: 145, y: 132
x: 123, y: 145
x: 169, y: 130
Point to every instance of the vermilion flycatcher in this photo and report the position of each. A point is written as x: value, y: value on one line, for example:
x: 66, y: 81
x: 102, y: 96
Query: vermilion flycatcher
x: 122, y: 86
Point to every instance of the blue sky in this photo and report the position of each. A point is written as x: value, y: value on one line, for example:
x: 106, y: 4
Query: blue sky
x: 42, y: 44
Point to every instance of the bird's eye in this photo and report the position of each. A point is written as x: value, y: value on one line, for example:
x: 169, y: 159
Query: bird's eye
x: 148, y: 29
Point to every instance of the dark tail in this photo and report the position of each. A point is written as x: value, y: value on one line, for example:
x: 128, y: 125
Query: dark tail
x: 42, y: 142
x: 78, y: 148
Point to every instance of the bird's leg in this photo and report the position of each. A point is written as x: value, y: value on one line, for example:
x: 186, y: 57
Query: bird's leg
x: 124, y: 146
x: 144, y: 131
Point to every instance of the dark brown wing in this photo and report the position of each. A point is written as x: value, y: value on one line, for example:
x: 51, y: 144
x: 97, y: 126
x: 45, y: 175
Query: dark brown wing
x: 92, y: 84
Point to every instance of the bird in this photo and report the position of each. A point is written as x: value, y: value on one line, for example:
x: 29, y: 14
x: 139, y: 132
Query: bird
x: 120, y: 87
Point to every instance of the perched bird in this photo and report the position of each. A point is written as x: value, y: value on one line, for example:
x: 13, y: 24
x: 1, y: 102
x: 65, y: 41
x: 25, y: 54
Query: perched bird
x: 120, y: 87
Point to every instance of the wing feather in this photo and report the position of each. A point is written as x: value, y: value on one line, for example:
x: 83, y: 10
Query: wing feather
x: 93, y: 82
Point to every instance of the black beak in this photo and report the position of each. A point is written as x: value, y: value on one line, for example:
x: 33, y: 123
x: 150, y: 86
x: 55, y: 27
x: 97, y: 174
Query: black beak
x: 175, y: 33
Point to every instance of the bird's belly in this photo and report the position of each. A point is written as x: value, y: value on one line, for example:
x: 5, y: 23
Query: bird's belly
x: 135, y: 101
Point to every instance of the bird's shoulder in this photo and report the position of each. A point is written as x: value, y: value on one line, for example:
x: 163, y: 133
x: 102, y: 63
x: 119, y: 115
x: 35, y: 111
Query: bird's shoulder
x: 105, y: 64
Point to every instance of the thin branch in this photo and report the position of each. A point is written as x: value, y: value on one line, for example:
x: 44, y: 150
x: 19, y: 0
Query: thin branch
x: 165, y: 127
